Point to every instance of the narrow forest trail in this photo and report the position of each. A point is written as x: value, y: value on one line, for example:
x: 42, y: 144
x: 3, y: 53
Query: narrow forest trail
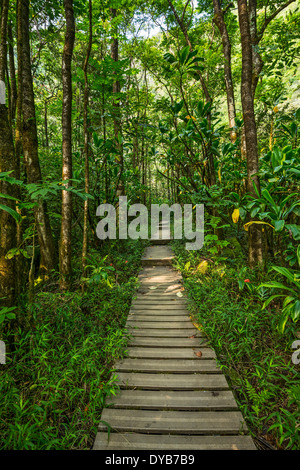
x: 173, y: 395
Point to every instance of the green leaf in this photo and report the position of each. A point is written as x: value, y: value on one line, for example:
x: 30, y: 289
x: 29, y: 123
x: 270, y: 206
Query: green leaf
x: 279, y: 224
x: 11, y: 211
x: 276, y: 285
x: 265, y: 193
x: 296, y: 310
x: 294, y: 230
x: 184, y: 54
x: 285, y: 272
x: 269, y: 300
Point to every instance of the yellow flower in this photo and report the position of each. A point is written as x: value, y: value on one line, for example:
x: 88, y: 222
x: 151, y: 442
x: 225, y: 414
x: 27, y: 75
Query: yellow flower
x: 235, y: 215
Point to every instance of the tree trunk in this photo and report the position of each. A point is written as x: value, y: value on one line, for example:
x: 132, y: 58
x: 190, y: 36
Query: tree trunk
x: 86, y: 142
x: 30, y: 148
x: 66, y: 222
x: 255, y: 234
x: 12, y: 72
x: 3, y: 43
x: 220, y: 22
x: 7, y: 163
x: 116, y: 108
x: 7, y: 222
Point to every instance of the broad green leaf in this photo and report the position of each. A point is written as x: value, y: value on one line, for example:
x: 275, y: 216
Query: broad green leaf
x: 276, y: 285
x: 285, y: 272
x: 11, y: 211
x: 279, y: 224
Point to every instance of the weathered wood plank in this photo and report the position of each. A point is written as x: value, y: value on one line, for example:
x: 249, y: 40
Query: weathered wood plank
x: 174, y: 422
x: 162, y: 290
x: 165, y: 313
x: 170, y: 400
x: 165, y: 332
x: 167, y: 324
x: 157, y: 300
x: 168, y: 342
x: 138, y: 317
x: 157, y: 306
x: 209, y: 382
x: 172, y: 353
x: 175, y: 366
x: 135, y: 441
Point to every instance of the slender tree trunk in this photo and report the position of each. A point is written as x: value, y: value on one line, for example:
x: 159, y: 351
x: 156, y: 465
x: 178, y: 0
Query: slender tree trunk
x: 7, y: 222
x: 18, y: 141
x: 30, y: 148
x: 220, y: 22
x: 7, y: 163
x: 3, y: 42
x: 12, y: 72
x: 255, y: 234
x: 46, y: 123
x: 66, y: 222
x: 116, y: 108
x: 86, y: 141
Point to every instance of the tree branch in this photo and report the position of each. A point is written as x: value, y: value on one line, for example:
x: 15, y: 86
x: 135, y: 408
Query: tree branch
x: 270, y: 18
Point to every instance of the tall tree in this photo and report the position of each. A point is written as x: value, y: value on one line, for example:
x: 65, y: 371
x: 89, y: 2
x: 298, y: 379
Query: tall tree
x: 65, y: 250
x: 219, y: 20
x: 86, y: 138
x: 255, y: 234
x: 12, y: 71
x: 7, y: 164
x: 116, y: 102
x: 30, y: 148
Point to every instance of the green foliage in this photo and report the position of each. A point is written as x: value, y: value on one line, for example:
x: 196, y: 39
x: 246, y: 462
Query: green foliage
x: 60, y: 368
x: 291, y: 303
x: 254, y: 356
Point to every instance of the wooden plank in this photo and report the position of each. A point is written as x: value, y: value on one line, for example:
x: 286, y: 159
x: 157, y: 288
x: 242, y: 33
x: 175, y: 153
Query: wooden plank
x: 154, y: 325
x: 165, y: 313
x: 168, y: 342
x: 170, y: 400
x: 135, y: 441
x: 210, y: 382
x: 164, y: 291
x: 160, y: 280
x: 162, y: 306
x: 164, y: 298
x: 158, y: 252
x: 174, y: 422
x: 142, y: 299
x: 171, y: 353
x: 137, y: 317
x: 176, y: 366
x: 165, y: 333
x: 158, y: 301
x: 166, y: 287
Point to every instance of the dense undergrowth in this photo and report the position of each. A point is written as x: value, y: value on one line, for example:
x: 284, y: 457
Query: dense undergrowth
x: 59, y: 368
x: 255, y: 357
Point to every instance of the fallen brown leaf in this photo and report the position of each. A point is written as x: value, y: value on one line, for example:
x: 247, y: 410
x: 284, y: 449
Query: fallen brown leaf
x: 198, y: 353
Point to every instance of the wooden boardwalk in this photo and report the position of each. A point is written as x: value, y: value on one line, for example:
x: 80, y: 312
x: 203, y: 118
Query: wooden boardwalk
x: 173, y: 396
